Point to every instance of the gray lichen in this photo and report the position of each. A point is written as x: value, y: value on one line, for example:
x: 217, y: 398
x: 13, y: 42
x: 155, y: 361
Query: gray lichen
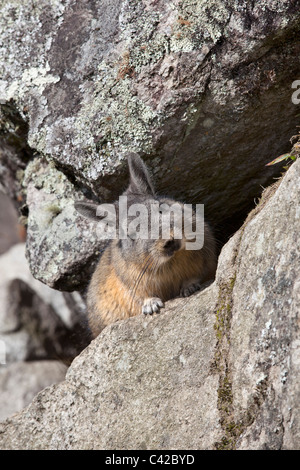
x: 191, y: 86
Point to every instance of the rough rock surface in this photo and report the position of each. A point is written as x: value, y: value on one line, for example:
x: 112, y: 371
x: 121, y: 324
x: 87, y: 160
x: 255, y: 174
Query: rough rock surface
x: 38, y: 328
x: 21, y: 381
x: 217, y: 370
x: 36, y: 322
x: 191, y: 86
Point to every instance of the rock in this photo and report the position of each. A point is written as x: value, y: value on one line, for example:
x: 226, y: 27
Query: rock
x: 55, y: 228
x: 218, y: 370
x: 36, y: 322
x: 259, y: 325
x: 265, y: 357
x: 138, y: 372
x: 21, y: 381
x: 14, y: 265
x: 193, y: 87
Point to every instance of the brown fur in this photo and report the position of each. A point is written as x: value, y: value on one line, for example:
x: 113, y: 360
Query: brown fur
x: 114, y: 294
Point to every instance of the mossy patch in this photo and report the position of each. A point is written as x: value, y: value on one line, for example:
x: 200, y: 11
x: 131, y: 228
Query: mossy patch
x: 225, y: 399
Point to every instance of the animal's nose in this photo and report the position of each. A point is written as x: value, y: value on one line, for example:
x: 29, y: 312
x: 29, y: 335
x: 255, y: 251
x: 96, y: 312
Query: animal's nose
x: 171, y: 246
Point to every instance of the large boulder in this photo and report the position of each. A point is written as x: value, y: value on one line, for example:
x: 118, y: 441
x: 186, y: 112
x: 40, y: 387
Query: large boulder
x: 218, y: 370
x: 201, y: 90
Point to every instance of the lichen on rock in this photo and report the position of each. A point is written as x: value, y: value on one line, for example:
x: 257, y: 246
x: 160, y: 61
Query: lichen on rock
x: 192, y: 87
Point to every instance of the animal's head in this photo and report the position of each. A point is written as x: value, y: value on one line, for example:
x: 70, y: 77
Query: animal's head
x: 146, y: 226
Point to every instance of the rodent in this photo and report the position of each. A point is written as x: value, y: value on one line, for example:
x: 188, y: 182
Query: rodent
x: 138, y: 275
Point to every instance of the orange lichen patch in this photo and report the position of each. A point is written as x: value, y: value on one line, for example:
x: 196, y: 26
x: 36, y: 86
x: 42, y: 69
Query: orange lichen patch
x: 183, y: 22
x: 125, y: 68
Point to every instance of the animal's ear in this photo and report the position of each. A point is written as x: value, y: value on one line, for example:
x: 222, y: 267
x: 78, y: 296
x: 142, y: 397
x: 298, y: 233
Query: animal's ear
x: 87, y: 209
x: 139, y: 183
x: 98, y: 212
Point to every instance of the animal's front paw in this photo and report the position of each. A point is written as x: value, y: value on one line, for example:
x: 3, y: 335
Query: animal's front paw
x: 188, y: 290
x: 151, y: 305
